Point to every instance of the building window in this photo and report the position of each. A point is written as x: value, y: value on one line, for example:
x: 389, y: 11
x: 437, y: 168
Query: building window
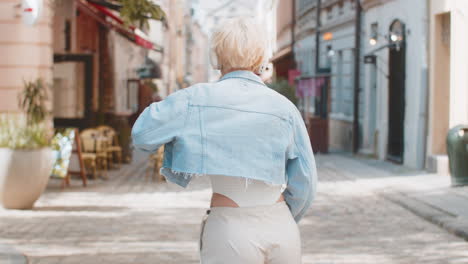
x: 329, y: 55
x: 69, y: 89
x: 342, y: 92
x: 68, y: 37
x: 374, y: 34
x: 304, y: 4
x: 340, y: 9
x: 339, y: 83
x: 329, y: 13
x: 132, y: 94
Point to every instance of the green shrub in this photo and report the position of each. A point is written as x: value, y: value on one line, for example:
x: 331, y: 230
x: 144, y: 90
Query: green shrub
x: 138, y: 12
x: 283, y: 87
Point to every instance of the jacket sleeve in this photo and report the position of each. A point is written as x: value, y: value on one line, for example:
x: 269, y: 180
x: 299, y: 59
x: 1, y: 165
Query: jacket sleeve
x: 301, y: 170
x: 161, y: 122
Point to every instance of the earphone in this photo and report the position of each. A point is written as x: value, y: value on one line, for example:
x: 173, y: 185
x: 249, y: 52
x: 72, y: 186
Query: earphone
x: 264, y: 65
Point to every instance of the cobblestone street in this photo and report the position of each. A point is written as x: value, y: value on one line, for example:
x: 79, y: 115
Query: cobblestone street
x: 130, y: 220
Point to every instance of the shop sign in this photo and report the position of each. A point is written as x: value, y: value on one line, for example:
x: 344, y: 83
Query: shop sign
x: 370, y: 59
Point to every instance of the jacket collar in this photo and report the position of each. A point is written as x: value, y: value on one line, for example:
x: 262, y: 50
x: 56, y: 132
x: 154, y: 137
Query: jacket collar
x: 243, y: 75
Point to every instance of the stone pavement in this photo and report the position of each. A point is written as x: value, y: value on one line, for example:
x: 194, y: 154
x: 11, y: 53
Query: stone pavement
x: 9, y: 255
x: 130, y: 220
x: 427, y: 195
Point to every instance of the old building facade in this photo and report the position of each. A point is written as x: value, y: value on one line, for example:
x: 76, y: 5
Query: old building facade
x: 96, y: 63
x: 178, y: 41
x: 337, y: 55
x: 196, y: 50
x: 283, y: 58
x: 324, y: 43
x: 405, y: 63
x: 395, y: 85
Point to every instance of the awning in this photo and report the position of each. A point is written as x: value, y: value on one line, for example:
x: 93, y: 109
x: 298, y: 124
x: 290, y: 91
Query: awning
x: 100, y: 13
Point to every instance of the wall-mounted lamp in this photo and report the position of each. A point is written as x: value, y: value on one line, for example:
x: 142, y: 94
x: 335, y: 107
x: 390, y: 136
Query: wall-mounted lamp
x: 396, y: 36
x: 374, y: 34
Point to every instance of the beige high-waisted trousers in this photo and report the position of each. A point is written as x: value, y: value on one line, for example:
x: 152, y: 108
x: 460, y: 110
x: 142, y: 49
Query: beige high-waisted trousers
x: 250, y: 235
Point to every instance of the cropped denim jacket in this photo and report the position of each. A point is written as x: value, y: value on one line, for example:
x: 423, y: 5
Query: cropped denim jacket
x: 234, y: 127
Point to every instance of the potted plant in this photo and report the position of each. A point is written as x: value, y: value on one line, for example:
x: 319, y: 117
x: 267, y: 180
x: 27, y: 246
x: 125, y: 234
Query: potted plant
x: 26, y: 157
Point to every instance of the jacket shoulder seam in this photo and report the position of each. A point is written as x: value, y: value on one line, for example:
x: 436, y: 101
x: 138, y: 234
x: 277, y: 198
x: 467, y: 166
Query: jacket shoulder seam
x: 241, y: 110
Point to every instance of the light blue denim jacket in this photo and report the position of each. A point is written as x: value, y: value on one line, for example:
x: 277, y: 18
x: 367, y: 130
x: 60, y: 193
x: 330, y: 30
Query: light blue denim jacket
x: 235, y: 127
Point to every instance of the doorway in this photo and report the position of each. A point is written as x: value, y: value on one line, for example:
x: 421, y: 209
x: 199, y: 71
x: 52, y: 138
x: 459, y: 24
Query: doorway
x: 396, y: 93
x: 73, y: 90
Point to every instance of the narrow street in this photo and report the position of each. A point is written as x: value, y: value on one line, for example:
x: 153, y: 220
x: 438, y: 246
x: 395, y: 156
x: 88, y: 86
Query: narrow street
x: 128, y: 219
x: 383, y: 79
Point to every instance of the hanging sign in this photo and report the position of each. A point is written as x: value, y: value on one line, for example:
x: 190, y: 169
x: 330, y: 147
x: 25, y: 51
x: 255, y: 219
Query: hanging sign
x: 31, y: 11
x: 370, y: 59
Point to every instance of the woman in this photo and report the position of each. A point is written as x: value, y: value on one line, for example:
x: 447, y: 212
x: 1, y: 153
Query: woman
x: 249, y: 140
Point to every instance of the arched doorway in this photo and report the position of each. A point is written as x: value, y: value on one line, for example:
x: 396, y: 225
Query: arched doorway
x: 396, y: 92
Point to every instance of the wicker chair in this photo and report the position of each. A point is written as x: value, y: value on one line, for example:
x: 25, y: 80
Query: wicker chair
x: 114, y: 150
x: 155, y: 162
x: 94, y: 150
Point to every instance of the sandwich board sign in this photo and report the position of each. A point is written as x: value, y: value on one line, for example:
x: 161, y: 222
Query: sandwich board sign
x: 31, y: 11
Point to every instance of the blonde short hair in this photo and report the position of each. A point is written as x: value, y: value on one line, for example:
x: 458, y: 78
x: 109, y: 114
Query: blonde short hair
x: 239, y: 43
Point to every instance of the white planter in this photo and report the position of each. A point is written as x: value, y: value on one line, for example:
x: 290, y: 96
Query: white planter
x: 23, y: 176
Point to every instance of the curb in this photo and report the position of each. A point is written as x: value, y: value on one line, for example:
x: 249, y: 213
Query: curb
x: 8, y: 255
x: 453, y: 224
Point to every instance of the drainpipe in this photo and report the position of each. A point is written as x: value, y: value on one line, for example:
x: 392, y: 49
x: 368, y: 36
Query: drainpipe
x: 293, y: 29
x: 427, y: 84
x: 317, y: 37
x: 357, y: 72
x: 317, y: 54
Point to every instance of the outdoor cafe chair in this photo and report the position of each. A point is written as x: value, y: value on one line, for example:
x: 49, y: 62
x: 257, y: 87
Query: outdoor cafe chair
x: 113, y: 148
x: 93, y: 149
x: 155, y: 162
